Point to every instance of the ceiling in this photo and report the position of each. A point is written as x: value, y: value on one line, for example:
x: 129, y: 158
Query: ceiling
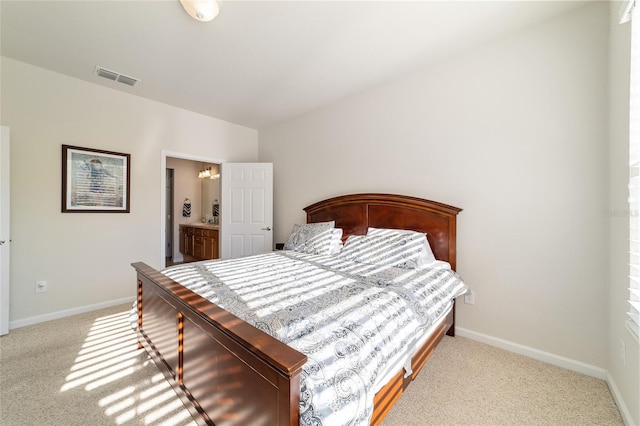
x: 258, y: 63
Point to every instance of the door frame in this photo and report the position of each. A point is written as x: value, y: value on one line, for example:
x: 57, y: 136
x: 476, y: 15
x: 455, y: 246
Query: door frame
x: 163, y: 181
x: 168, y: 218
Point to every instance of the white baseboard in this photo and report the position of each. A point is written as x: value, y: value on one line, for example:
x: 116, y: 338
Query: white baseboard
x: 560, y: 361
x: 67, y: 313
x: 617, y: 397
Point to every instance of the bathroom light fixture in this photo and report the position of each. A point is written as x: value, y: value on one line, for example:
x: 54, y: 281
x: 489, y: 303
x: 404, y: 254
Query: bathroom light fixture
x: 206, y: 174
x: 201, y: 10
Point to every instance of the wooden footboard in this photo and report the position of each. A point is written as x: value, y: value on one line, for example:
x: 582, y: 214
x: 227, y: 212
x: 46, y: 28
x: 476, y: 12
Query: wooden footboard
x: 226, y: 371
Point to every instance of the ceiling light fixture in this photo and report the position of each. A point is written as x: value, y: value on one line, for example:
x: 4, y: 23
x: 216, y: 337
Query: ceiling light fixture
x: 201, y: 10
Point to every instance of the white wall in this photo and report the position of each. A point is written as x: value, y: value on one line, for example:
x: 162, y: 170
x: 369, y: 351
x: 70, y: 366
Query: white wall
x: 624, y: 373
x: 86, y: 257
x: 515, y: 133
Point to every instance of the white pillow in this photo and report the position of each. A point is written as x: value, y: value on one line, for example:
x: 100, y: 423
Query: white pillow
x: 401, y: 250
x: 336, y: 241
x: 426, y: 256
x: 311, y: 238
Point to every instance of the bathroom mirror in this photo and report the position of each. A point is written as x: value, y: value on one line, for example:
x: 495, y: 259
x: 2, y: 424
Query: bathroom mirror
x: 210, y: 191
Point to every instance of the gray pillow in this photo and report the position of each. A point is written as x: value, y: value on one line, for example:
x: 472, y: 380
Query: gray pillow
x: 311, y: 238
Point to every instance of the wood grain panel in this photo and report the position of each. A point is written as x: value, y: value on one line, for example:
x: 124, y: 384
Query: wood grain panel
x: 352, y: 218
x: 226, y: 387
x: 160, y: 326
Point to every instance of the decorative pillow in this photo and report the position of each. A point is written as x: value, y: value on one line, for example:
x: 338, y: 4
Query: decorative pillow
x: 311, y: 238
x: 336, y: 241
x: 396, y: 249
x: 426, y: 256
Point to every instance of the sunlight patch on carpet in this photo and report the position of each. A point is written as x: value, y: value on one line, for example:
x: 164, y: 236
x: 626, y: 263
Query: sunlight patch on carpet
x: 109, y: 354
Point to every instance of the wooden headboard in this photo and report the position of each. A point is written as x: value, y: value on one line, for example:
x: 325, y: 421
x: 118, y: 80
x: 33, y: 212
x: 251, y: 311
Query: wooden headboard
x: 357, y: 212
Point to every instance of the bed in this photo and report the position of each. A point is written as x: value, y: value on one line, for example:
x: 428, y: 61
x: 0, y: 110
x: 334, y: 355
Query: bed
x: 229, y: 372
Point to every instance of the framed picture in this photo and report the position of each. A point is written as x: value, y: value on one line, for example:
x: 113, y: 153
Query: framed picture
x: 95, y: 181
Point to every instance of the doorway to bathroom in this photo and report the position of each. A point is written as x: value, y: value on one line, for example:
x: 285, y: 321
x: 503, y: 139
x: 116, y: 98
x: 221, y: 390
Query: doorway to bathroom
x: 181, y: 186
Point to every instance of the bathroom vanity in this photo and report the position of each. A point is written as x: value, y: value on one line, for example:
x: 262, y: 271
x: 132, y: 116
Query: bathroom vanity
x: 199, y: 241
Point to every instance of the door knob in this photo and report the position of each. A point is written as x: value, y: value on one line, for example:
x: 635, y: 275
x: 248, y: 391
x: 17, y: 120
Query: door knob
x: 2, y: 242
x: 268, y: 228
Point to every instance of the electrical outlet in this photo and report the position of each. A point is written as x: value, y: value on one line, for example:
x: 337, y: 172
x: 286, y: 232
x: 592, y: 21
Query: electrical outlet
x: 41, y: 286
x: 623, y: 352
x: 470, y: 298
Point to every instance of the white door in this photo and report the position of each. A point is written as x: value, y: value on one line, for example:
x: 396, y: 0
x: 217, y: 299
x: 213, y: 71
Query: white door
x: 5, y: 236
x: 246, y: 202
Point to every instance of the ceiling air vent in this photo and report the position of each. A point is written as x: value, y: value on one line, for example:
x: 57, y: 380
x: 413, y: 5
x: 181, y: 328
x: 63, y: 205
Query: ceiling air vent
x: 116, y: 76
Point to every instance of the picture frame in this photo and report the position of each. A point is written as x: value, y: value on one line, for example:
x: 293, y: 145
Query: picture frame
x: 95, y: 181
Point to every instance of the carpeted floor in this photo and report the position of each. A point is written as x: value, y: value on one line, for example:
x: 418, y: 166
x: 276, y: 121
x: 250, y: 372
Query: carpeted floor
x: 469, y: 383
x: 86, y: 370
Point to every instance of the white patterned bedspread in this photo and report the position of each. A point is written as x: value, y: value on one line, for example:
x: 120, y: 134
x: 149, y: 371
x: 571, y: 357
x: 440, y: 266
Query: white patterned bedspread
x: 352, y: 320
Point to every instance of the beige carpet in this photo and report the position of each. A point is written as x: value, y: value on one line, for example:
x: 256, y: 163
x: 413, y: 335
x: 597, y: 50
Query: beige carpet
x: 86, y: 370
x: 469, y: 383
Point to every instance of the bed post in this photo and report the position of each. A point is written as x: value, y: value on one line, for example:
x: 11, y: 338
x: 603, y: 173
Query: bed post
x: 452, y: 330
x: 139, y: 302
